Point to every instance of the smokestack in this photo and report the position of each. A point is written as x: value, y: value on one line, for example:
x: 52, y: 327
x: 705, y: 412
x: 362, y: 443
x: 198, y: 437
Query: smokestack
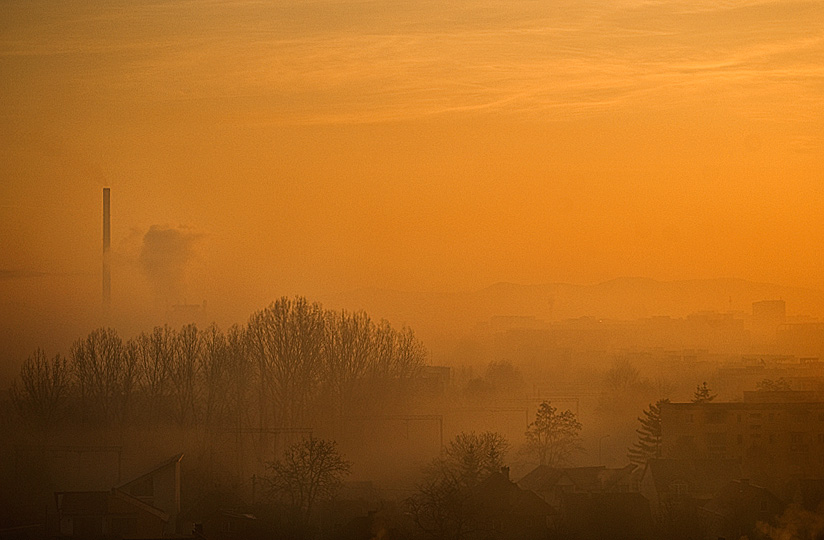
x: 107, y: 240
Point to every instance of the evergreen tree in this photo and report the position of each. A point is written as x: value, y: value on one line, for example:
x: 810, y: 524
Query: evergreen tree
x: 648, y: 445
x: 702, y: 394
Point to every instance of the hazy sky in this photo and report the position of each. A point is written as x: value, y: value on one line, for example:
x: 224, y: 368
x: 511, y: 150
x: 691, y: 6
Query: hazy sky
x: 306, y: 147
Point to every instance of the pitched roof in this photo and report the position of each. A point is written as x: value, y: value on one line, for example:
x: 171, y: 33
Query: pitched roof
x: 739, y: 494
x: 134, y: 501
x: 703, y: 477
x: 174, y: 460
x: 544, y: 478
x: 500, y: 492
x: 541, y: 478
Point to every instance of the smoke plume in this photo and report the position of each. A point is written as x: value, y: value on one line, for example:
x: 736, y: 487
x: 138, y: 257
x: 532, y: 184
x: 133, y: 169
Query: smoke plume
x: 164, y: 257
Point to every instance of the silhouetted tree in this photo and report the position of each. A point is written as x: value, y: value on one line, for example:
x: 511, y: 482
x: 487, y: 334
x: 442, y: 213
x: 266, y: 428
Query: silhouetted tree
x: 240, y: 375
x: 623, y: 389
x: 351, y: 351
x: 287, y: 342
x: 702, y: 394
x: 648, y: 445
x: 443, y: 505
x: 308, y: 472
x: 184, y: 372
x: 154, y: 354
x: 553, y: 436
x: 106, y: 375
x: 42, y: 389
x: 215, y: 363
x: 500, y: 380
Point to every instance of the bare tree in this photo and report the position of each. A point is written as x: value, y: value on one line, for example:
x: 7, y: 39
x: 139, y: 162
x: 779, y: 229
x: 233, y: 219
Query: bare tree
x: 553, y: 436
x: 399, y: 354
x: 40, y: 394
x: 309, y: 472
x: 105, y: 375
x: 154, y: 355
x: 215, y: 363
x: 184, y: 372
x: 444, y: 506
x: 350, y: 351
x: 239, y: 375
x: 287, y: 341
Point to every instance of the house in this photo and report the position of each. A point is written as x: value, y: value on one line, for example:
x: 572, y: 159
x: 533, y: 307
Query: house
x: 676, y: 488
x: 735, y: 511
x: 552, y: 483
x: 146, y: 507
x: 510, y: 512
x: 107, y: 514
x: 159, y: 487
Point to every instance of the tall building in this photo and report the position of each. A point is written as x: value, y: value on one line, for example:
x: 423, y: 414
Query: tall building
x: 771, y: 434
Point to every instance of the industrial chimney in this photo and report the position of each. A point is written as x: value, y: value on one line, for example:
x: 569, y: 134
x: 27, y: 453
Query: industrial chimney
x: 107, y: 240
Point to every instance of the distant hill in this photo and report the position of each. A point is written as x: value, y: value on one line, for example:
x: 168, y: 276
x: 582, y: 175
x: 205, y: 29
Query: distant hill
x: 445, y: 316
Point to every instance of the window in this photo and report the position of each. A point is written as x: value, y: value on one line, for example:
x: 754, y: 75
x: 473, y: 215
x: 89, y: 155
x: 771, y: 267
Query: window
x: 740, y: 439
x: 797, y: 438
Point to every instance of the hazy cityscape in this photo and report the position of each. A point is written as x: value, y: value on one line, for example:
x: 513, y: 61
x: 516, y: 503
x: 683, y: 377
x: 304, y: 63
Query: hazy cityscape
x: 364, y: 270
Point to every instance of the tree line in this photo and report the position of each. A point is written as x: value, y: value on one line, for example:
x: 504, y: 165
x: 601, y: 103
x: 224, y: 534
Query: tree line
x: 287, y: 364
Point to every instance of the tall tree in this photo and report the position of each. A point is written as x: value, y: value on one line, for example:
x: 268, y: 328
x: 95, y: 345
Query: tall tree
x: 154, y: 353
x: 308, y: 472
x: 471, y: 457
x: 443, y: 506
x: 41, y: 392
x: 287, y: 340
x: 553, y: 436
x: 648, y: 445
x: 106, y: 375
x: 184, y: 374
x: 702, y: 394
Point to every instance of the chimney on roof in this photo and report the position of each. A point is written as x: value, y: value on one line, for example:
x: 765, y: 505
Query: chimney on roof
x: 505, y: 472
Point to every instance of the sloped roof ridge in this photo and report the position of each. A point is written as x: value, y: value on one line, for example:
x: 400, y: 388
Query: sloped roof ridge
x: 171, y: 461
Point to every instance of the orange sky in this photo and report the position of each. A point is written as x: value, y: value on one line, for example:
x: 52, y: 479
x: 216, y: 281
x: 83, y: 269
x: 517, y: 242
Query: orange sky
x: 310, y: 147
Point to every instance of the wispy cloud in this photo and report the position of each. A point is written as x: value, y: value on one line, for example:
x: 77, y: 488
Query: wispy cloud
x: 347, y: 61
